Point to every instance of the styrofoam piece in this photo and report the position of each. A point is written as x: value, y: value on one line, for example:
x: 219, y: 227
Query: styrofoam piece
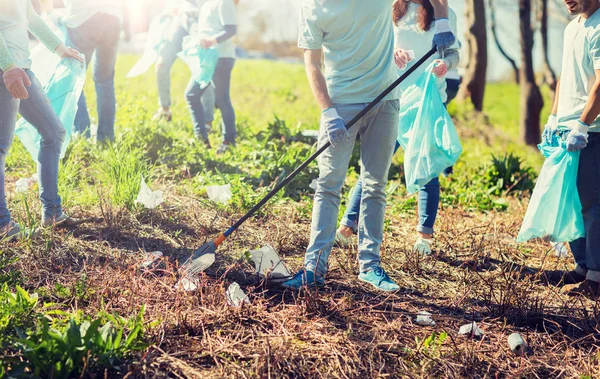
x: 187, y: 284
x: 219, y: 194
x: 268, y: 264
x: 561, y: 250
x: 471, y: 330
x: 23, y: 185
x: 424, y: 319
x: 236, y: 296
x: 151, y: 258
x: 148, y: 198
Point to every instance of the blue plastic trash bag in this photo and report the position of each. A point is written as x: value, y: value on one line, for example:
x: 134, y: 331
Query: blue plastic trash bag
x: 63, y: 90
x: 156, y: 40
x: 426, y: 132
x: 555, y: 212
x: 202, y: 62
x: 549, y: 144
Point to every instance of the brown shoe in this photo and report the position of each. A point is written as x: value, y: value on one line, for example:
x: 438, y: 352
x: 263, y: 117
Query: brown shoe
x: 587, y: 288
x: 562, y: 278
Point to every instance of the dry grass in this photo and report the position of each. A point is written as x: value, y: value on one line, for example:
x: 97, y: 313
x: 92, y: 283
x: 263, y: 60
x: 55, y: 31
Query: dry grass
x: 344, y: 330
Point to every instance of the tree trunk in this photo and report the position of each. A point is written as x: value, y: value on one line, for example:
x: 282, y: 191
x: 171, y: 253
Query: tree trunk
x: 473, y: 86
x: 549, y: 75
x: 494, y: 29
x: 531, y: 97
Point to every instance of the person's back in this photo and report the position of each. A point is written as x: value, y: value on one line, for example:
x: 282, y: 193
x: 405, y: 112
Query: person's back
x: 79, y: 11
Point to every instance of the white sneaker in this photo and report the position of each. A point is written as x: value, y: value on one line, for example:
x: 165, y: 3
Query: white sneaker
x: 423, y: 246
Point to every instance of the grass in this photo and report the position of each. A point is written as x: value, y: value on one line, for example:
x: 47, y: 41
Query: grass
x: 88, y: 278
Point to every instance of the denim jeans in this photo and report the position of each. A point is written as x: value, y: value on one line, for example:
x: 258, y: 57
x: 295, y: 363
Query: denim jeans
x: 99, y: 37
x: 429, y: 199
x: 168, y: 56
x: 38, y: 111
x: 222, y: 83
x: 587, y: 250
x: 378, y: 130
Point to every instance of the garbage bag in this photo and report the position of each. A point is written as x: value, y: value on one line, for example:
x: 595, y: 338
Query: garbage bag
x: 426, y: 132
x: 156, y: 39
x: 202, y: 62
x: 555, y: 212
x: 63, y: 89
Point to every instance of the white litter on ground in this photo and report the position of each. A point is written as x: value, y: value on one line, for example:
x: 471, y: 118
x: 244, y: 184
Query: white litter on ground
x: 151, y: 258
x: 187, y: 284
x: 268, y: 264
x: 148, y: 198
x: 471, y: 330
x: 424, y: 319
x: 561, y: 250
x: 313, y: 185
x: 23, y: 185
x: 235, y: 296
x: 219, y: 194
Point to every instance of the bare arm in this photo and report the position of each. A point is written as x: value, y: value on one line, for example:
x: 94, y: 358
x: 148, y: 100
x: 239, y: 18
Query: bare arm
x: 592, y: 107
x: 555, y: 106
x: 440, y: 8
x: 318, y: 84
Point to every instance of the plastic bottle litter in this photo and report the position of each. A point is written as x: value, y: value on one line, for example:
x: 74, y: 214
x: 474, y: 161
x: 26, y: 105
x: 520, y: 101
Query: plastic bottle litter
x: 424, y: 319
x: 267, y: 263
x: 313, y: 185
x: 235, y: 296
x: 151, y: 259
x: 187, y: 284
x: 148, y: 198
x: 219, y: 194
x: 561, y: 249
x: 517, y: 344
x: 471, y: 330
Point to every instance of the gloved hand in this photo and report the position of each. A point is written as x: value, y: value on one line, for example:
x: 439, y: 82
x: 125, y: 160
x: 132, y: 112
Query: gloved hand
x: 66, y: 52
x: 334, y: 126
x: 443, y: 38
x: 577, y: 139
x: 441, y: 68
x: 550, y: 128
x: 16, y: 81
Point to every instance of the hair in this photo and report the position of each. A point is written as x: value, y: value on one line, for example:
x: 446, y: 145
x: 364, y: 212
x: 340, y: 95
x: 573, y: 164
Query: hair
x: 425, y: 14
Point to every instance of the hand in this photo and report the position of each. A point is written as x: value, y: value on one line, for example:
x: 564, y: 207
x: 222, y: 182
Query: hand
x: 550, y: 129
x: 401, y: 57
x: 577, y: 139
x: 16, y: 81
x: 441, y: 68
x: 335, y: 127
x: 443, y: 38
x: 66, y: 52
x: 207, y: 43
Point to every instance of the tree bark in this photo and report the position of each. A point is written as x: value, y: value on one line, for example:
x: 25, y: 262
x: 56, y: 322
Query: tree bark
x: 494, y: 29
x: 549, y: 75
x: 531, y: 97
x: 474, y: 81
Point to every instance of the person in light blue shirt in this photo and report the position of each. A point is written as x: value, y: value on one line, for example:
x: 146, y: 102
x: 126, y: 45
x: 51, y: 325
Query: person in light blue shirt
x: 575, y: 118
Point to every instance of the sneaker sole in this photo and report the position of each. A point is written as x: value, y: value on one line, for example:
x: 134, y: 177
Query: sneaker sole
x: 377, y: 288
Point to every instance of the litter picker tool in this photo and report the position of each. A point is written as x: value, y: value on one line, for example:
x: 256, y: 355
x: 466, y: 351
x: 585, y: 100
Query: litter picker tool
x: 204, y: 256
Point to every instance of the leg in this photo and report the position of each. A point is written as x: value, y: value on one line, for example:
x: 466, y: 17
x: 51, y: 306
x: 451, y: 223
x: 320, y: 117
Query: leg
x: 77, y: 39
x: 222, y: 80
x: 193, y: 95
x: 9, y: 107
x: 104, y: 77
x: 38, y: 111
x: 333, y: 165
x: 165, y: 62
x: 429, y: 200
x: 589, y: 192
x: 208, y: 103
x: 377, y: 148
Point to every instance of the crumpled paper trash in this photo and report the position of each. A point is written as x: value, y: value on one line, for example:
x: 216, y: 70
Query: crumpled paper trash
x: 151, y: 258
x: 471, y: 330
x: 148, y: 198
x: 424, y: 319
x: 219, y: 194
x: 313, y: 185
x: 267, y: 263
x: 187, y: 283
x: 23, y: 185
x: 236, y: 296
x: 561, y: 250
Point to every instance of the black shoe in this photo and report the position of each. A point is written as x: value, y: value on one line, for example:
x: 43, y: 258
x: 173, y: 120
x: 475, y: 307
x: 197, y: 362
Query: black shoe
x: 562, y: 278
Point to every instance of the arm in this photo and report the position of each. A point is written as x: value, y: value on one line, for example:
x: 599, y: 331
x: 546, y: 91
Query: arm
x: 440, y: 8
x: 7, y: 61
x: 555, y: 106
x: 228, y: 32
x: 37, y: 6
x: 41, y: 30
x: 592, y: 107
x: 125, y: 25
x: 318, y: 84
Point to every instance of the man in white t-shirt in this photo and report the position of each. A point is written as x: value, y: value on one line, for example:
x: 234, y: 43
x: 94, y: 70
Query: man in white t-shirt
x: 94, y: 28
x: 575, y: 115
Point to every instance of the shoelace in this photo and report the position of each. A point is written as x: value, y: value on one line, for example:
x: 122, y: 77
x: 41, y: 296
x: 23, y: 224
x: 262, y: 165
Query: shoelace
x: 383, y: 276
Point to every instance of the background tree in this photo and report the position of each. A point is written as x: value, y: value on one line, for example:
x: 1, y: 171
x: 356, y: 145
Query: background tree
x: 549, y: 75
x: 474, y: 80
x: 495, y: 35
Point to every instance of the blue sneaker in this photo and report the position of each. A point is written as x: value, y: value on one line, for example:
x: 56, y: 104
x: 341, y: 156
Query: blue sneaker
x: 303, y: 279
x: 379, y: 279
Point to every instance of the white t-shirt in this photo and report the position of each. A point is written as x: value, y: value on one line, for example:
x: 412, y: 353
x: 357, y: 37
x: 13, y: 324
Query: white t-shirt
x: 79, y: 11
x: 581, y: 57
x: 214, y: 15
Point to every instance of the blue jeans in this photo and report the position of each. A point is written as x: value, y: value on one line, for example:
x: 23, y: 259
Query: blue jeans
x: 38, y: 111
x: 587, y: 250
x: 378, y: 130
x: 99, y: 37
x: 429, y: 199
x: 168, y: 56
x: 222, y: 83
